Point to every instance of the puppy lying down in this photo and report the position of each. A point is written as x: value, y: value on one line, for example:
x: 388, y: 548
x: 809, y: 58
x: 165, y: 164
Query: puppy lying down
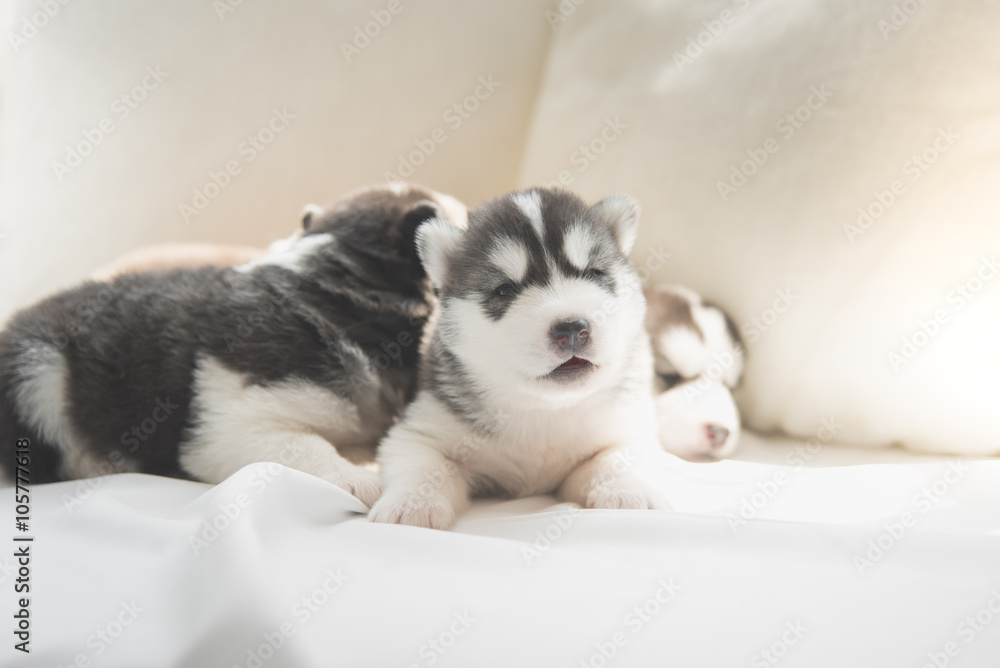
x: 304, y: 357
x: 341, y: 294
x: 697, y: 351
x: 699, y: 359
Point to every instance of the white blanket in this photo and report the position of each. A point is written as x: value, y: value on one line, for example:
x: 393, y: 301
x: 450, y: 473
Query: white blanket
x: 759, y: 565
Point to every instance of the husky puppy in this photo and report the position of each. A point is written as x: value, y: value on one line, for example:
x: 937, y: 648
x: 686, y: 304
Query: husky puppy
x: 303, y: 357
x: 699, y: 359
x: 538, y: 375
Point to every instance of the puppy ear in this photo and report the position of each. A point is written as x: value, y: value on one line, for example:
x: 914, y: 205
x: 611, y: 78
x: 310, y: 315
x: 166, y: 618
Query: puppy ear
x: 308, y: 212
x: 436, y: 241
x: 422, y: 211
x: 621, y: 214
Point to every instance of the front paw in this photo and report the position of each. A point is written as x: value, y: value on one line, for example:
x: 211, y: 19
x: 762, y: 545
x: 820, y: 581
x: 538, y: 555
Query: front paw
x: 431, y: 511
x: 626, y: 494
x: 359, y: 482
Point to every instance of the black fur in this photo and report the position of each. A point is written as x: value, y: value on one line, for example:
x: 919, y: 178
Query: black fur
x: 501, y: 218
x: 131, y: 346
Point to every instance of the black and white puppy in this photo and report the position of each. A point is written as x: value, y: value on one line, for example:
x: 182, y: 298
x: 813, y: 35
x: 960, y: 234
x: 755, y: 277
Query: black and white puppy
x: 537, y: 376
x: 699, y: 360
x: 304, y: 357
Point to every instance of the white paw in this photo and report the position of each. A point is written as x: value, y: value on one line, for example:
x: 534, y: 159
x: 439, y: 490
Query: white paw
x: 431, y: 511
x: 626, y: 494
x: 361, y: 483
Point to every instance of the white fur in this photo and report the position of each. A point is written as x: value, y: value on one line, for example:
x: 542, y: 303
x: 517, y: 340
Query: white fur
x: 523, y: 337
x: 685, y: 350
x: 577, y: 244
x: 684, y: 413
x: 582, y: 440
x: 511, y: 258
x: 40, y: 400
x: 622, y: 214
x: 291, y: 253
x: 711, y: 366
x: 588, y: 453
x: 310, y: 210
x: 436, y: 240
x: 294, y: 423
x: 717, y: 344
x: 530, y: 205
x: 454, y: 211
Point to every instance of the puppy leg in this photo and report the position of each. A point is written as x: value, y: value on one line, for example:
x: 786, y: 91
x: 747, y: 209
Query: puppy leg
x: 422, y: 487
x: 605, y: 481
x: 309, y: 453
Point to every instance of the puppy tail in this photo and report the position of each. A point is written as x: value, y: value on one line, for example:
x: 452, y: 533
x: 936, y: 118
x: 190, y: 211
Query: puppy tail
x: 44, y: 458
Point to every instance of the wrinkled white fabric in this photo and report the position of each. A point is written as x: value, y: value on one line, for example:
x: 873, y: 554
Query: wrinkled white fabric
x: 528, y: 582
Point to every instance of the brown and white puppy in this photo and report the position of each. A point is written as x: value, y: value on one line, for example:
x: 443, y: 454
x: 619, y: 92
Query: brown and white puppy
x: 699, y: 361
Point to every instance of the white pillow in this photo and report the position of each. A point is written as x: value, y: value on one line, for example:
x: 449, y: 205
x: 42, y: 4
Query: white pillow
x: 752, y: 132
x: 227, y: 70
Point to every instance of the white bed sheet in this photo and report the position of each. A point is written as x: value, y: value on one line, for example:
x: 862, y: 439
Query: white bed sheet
x: 497, y: 592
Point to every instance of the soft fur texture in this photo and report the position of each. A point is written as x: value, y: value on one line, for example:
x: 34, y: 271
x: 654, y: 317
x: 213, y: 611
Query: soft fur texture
x: 699, y: 360
x: 303, y: 357
x: 538, y: 374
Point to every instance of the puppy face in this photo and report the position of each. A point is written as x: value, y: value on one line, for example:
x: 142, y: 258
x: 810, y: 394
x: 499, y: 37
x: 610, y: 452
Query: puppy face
x: 539, y: 299
x: 699, y: 361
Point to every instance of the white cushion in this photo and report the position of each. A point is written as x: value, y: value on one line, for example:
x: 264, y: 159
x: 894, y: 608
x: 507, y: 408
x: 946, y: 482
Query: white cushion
x: 226, y: 73
x: 672, y: 97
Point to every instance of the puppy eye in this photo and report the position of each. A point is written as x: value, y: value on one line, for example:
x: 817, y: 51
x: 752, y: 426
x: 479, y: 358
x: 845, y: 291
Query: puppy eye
x: 505, y: 290
x: 594, y: 274
x: 671, y: 379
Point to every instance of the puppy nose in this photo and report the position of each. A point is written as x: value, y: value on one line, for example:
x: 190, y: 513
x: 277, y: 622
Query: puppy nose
x: 570, y: 333
x: 717, y: 434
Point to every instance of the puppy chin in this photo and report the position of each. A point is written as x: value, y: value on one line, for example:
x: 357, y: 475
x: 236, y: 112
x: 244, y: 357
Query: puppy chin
x: 557, y: 386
